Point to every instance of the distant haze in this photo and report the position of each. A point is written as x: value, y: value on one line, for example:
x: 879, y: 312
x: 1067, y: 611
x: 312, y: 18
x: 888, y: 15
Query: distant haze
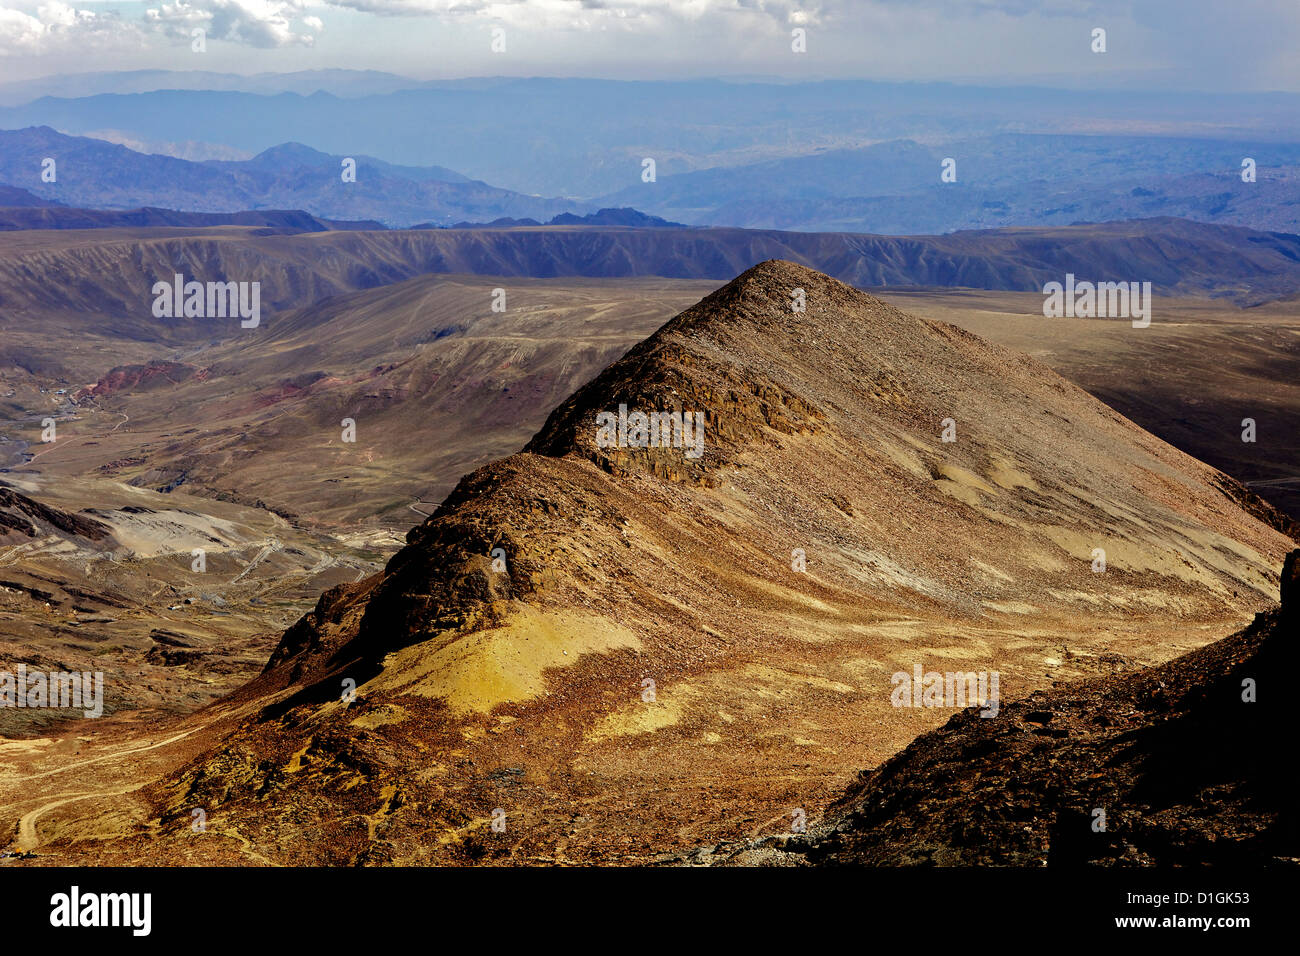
x: 878, y: 116
x: 1151, y: 44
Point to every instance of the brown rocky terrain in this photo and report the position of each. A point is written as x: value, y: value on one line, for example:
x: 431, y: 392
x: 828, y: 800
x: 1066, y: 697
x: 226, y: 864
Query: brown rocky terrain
x: 1175, y: 765
x: 257, y: 417
x: 673, y: 650
x: 96, y: 576
x: 253, y: 415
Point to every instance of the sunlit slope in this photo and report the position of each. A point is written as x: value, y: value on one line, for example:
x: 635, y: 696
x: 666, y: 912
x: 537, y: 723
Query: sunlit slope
x: 629, y: 650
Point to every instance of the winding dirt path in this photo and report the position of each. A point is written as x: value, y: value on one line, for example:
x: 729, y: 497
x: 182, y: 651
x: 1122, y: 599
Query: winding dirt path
x: 102, y: 757
x: 28, y: 839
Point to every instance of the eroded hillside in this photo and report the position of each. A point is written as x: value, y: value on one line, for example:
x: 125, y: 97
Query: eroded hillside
x: 1175, y: 765
x: 672, y: 650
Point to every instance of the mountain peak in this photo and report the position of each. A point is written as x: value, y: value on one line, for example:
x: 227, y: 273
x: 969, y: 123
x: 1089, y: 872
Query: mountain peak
x: 778, y: 281
x: 756, y: 358
x: 623, y: 216
x: 818, y: 534
x: 292, y: 153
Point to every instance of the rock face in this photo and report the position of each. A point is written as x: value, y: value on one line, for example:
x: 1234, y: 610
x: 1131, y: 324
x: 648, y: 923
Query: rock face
x: 629, y: 649
x: 23, y: 517
x: 1291, y: 584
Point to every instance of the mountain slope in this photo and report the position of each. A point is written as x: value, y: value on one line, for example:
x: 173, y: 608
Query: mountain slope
x: 1184, y: 768
x: 98, y: 576
x: 297, y: 155
x: 524, y: 689
x: 21, y: 198
x: 427, y: 356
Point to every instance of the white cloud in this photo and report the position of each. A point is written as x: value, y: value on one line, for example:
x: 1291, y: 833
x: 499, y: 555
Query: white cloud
x: 19, y: 33
x: 258, y: 23
x: 591, y: 14
x: 1192, y: 44
x: 57, y: 27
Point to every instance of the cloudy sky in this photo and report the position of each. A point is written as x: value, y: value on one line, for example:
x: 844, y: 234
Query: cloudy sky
x: 1153, y: 44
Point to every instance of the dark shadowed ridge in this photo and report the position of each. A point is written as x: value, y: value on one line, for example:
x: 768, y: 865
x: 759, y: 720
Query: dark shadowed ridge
x: 42, y: 215
x: 1177, y: 257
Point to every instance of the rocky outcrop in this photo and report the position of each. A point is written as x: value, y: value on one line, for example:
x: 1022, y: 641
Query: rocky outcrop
x: 1290, y: 595
x: 18, y: 512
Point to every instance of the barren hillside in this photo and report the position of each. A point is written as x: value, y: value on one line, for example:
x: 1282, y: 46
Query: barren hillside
x: 1175, y: 765
x: 676, y: 649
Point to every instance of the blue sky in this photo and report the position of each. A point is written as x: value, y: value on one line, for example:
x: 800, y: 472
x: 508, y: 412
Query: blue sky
x: 1151, y: 44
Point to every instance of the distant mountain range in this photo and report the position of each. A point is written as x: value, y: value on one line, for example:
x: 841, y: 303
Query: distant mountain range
x: 819, y: 156
x: 95, y: 174
x: 624, y: 216
x: 1002, y: 180
x: 303, y: 82
x: 21, y: 210
x: 891, y: 188
x: 587, y: 137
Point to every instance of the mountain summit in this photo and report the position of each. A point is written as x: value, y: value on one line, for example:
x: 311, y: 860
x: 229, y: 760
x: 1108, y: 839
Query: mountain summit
x: 679, y: 613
